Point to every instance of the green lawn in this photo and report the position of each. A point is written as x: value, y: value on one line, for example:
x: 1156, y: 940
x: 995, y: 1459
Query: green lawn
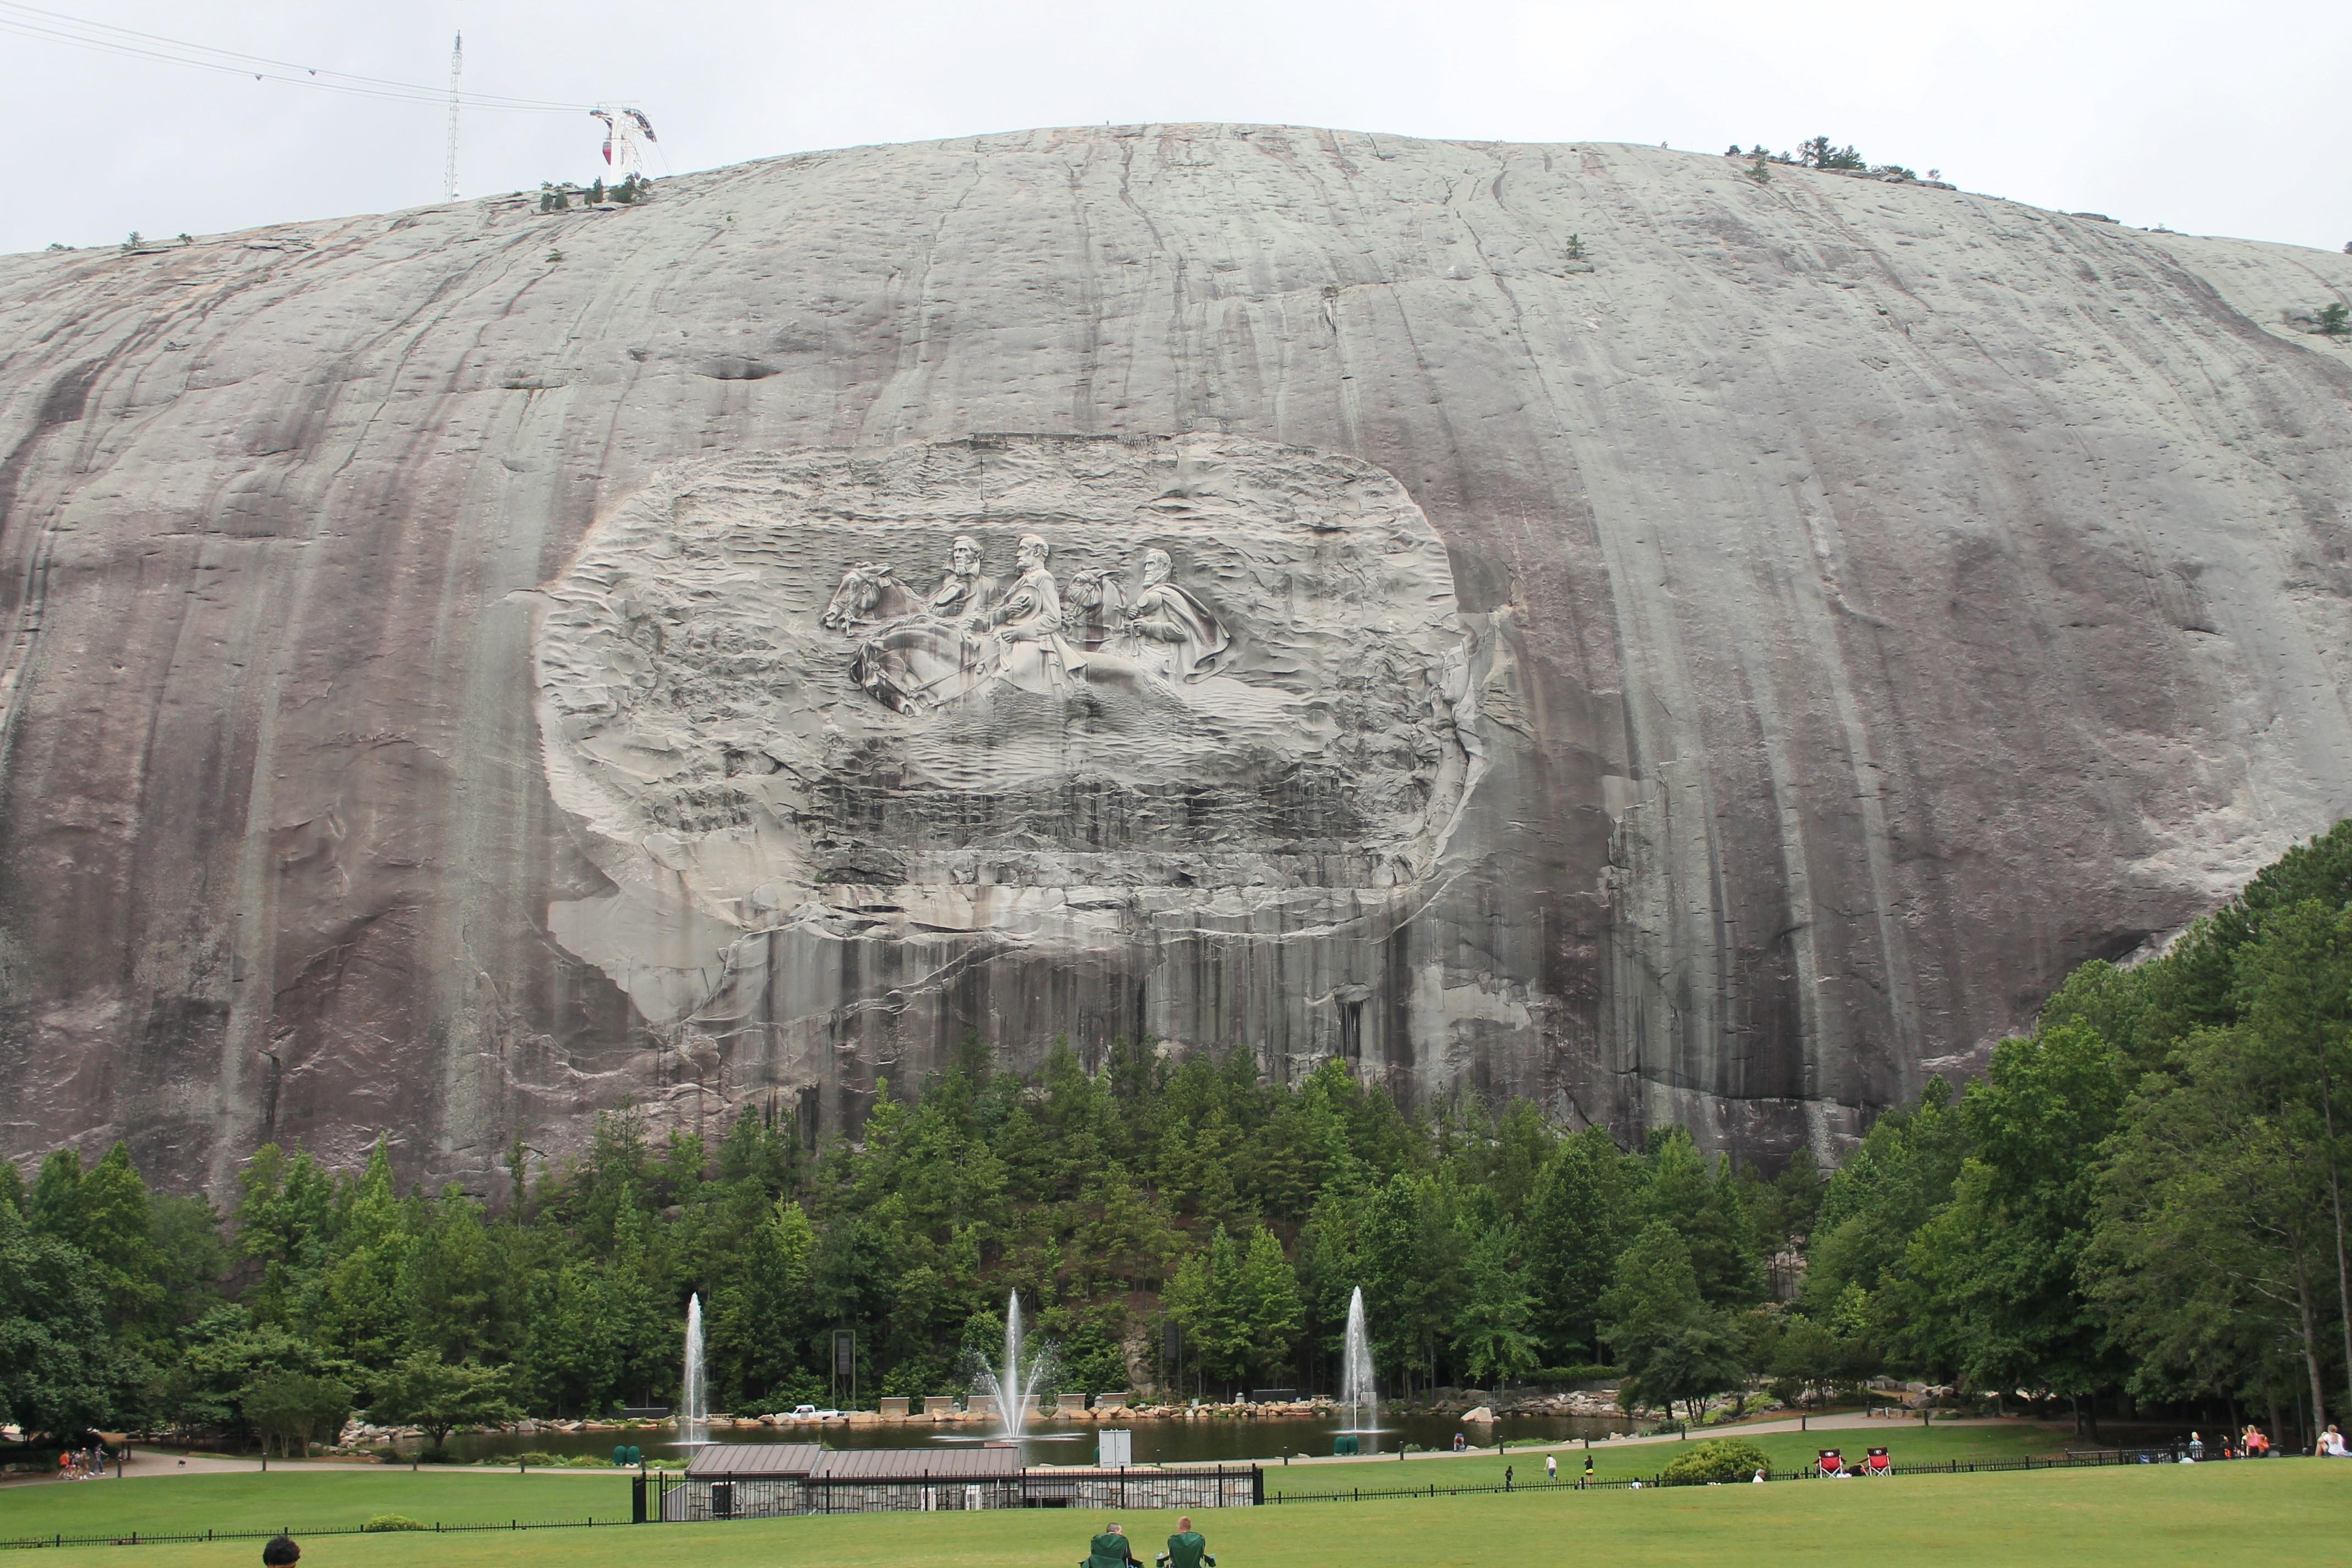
x: 322, y: 1497
x: 1787, y: 1452
x: 2127, y: 1518
x: 316, y: 1497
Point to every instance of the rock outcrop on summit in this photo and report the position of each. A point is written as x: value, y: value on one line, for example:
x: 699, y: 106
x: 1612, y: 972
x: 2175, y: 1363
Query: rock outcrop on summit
x: 1243, y: 586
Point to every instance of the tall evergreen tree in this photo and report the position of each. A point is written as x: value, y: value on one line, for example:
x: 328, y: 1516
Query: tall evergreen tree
x: 1673, y: 1346
x: 1580, y: 1217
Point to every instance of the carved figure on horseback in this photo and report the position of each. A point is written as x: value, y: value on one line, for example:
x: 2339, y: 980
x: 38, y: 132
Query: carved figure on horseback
x: 918, y: 652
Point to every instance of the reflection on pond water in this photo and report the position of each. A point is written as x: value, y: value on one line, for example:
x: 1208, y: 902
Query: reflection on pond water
x: 1052, y: 1442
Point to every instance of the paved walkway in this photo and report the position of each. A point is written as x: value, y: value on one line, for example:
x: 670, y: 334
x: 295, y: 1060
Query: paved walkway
x: 1845, y: 1421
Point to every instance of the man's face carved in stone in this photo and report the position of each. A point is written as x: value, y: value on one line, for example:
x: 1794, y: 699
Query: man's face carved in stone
x: 1156, y: 567
x: 1032, y: 554
x: 964, y: 558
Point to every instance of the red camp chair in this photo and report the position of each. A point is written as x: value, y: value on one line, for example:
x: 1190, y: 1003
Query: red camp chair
x: 1833, y: 1462
x: 1879, y: 1465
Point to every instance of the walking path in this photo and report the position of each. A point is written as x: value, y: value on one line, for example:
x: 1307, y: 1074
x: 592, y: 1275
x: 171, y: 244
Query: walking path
x: 1849, y: 1421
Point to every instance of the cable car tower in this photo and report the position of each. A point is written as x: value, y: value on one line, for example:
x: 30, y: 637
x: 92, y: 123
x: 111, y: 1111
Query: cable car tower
x: 627, y: 133
x: 449, y: 167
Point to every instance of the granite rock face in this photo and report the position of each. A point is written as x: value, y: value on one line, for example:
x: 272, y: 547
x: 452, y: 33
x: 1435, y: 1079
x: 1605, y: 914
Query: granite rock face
x: 467, y: 668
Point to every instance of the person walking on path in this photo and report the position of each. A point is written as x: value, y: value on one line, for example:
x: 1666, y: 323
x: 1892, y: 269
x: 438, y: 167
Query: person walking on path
x: 1552, y: 1467
x: 1188, y: 1548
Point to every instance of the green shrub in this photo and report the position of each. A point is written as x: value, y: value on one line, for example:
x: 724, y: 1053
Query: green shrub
x: 1593, y: 1373
x: 391, y: 1522
x: 1721, y: 1459
x: 2335, y: 321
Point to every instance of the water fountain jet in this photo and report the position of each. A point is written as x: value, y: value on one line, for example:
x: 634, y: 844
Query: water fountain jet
x: 1014, y: 1384
x: 1357, y: 1390
x: 694, y: 1408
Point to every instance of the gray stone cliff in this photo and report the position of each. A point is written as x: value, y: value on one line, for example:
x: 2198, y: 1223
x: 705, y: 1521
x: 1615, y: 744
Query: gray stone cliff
x: 1242, y: 585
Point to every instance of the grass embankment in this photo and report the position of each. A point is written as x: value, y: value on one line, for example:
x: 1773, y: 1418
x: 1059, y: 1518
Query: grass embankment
x: 2090, y: 1518
x: 1786, y: 1452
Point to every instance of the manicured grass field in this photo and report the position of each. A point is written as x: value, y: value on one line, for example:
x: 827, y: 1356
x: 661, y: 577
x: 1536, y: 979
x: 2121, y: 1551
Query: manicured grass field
x: 323, y: 1496
x: 316, y: 1497
x: 2281, y: 1511
x: 2087, y: 1520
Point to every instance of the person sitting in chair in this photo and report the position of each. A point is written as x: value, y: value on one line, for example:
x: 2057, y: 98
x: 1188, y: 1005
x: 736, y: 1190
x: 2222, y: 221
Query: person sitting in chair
x: 1112, y: 1549
x: 1187, y: 1548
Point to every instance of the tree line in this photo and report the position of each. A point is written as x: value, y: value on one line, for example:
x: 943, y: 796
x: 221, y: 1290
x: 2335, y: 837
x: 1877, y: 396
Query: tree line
x: 2140, y: 1203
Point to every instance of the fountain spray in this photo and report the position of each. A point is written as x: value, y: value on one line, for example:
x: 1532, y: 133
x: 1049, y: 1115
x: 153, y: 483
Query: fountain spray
x: 1357, y: 1388
x: 693, y: 1415
x: 1014, y: 1384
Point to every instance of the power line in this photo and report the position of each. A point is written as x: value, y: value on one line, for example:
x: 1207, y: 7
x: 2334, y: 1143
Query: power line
x: 57, y: 26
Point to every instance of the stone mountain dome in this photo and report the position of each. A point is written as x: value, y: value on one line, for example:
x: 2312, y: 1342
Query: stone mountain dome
x: 1572, y: 621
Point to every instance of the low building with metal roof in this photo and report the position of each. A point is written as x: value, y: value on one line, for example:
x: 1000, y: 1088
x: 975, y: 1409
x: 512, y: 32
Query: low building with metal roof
x: 745, y: 1461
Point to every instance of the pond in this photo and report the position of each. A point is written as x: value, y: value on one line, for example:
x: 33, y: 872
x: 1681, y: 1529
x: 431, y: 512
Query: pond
x: 1050, y: 1442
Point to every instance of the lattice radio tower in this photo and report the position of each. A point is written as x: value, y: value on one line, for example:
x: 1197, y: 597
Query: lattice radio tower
x: 449, y: 167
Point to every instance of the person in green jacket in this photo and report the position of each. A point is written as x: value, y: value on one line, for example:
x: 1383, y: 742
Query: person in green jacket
x: 1112, y: 1549
x: 1188, y: 1548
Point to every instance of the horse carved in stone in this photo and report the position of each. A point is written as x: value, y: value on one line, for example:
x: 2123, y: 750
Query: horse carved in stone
x: 905, y: 655
x: 869, y: 593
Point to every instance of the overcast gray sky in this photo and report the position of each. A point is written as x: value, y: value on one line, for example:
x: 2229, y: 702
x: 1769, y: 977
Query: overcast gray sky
x: 2212, y: 117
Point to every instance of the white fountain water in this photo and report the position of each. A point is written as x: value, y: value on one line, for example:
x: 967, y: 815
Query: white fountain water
x: 694, y: 1411
x: 1015, y: 1385
x: 1357, y: 1389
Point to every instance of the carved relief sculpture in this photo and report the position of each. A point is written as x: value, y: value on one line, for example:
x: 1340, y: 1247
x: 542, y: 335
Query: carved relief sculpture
x: 793, y: 772
x: 1029, y: 650
x: 1166, y: 629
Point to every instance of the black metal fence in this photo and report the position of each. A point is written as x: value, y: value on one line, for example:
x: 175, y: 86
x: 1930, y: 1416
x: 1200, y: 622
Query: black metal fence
x: 678, y: 1498
x: 1218, y: 1486
x: 151, y: 1538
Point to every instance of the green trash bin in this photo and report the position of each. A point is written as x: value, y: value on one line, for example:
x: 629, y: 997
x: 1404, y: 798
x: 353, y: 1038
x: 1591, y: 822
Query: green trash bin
x: 1345, y: 1444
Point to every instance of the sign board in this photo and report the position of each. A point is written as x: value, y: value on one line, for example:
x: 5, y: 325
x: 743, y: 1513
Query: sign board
x: 1115, y: 1449
x: 844, y: 1365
